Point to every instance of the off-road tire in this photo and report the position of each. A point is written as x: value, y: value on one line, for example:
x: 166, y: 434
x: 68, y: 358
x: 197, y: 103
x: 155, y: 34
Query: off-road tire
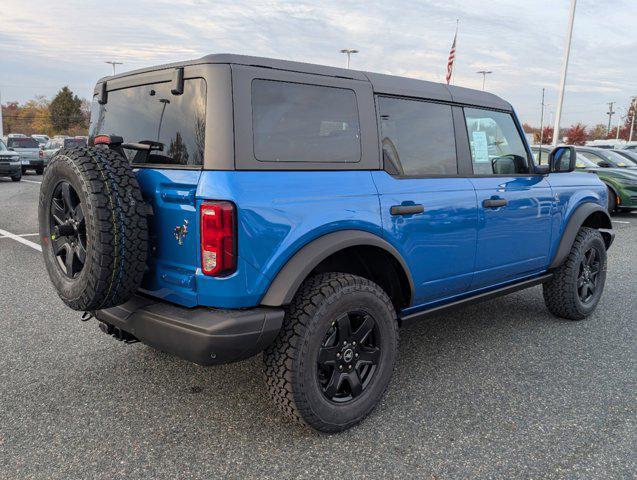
x: 561, y: 293
x: 290, y: 362
x: 116, y: 228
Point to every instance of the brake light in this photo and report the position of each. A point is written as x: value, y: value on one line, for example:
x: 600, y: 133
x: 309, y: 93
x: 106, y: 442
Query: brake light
x: 218, y: 238
x: 41, y: 154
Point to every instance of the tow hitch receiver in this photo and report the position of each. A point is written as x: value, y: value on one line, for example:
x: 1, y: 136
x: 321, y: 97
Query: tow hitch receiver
x: 117, y: 333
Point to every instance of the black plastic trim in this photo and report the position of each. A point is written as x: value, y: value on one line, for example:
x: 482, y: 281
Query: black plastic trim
x: 201, y: 335
x: 480, y: 297
x: 575, y: 222
x: 290, y: 277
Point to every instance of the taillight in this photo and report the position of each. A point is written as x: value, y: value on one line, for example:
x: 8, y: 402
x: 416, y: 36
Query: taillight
x: 102, y: 140
x: 41, y: 154
x: 218, y: 238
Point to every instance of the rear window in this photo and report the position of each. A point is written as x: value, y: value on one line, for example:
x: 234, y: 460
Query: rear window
x: 304, y: 123
x: 74, y: 142
x: 22, y: 142
x: 151, y: 113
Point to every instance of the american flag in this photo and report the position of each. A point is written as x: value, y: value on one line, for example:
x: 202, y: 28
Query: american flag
x: 452, y: 57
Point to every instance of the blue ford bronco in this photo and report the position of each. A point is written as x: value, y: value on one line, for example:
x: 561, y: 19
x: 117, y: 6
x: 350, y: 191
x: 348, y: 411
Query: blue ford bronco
x: 233, y: 205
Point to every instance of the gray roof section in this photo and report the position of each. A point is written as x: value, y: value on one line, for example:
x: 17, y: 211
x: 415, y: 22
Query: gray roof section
x: 388, y: 84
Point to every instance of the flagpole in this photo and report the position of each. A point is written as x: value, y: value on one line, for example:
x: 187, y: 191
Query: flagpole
x: 453, y: 73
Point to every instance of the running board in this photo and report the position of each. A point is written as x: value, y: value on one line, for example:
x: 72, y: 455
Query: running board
x: 480, y: 297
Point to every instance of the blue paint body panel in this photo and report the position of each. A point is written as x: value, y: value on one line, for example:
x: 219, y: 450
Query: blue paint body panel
x: 439, y: 244
x: 453, y: 248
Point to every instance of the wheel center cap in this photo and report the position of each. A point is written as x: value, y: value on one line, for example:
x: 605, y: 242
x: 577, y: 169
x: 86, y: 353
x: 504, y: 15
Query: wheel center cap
x: 348, y: 355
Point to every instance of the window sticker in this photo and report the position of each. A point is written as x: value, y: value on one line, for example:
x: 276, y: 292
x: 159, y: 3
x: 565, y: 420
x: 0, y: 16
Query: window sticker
x: 480, y: 147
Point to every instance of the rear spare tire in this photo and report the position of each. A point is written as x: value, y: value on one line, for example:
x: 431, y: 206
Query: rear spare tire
x: 92, y: 227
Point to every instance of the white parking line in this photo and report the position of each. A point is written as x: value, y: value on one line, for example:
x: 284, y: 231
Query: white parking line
x: 23, y: 235
x: 619, y: 221
x: 31, y: 181
x: 21, y: 240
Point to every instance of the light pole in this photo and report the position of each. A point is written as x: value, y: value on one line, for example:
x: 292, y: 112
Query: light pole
x: 542, y: 122
x: 632, y: 123
x: 349, y: 52
x: 113, y: 65
x: 567, y: 52
x: 484, y: 74
x: 619, y: 119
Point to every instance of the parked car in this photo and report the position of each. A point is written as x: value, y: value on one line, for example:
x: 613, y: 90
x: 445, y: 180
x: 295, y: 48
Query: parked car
x: 620, y: 181
x: 630, y: 146
x: 10, y: 165
x: 605, y: 157
x: 29, y: 151
x: 55, y: 144
x: 232, y: 205
x: 41, y: 139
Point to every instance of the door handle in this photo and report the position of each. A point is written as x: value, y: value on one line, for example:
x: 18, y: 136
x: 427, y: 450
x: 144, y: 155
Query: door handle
x: 494, y: 202
x: 406, y: 209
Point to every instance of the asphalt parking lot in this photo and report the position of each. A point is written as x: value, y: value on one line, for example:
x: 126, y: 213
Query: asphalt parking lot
x: 497, y: 390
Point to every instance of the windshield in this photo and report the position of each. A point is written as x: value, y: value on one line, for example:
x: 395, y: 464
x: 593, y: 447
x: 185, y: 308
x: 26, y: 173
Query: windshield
x: 22, y: 142
x: 626, y: 159
x: 583, y: 162
x: 615, y: 159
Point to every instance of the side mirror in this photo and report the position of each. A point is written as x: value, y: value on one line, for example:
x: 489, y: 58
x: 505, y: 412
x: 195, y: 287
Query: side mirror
x: 562, y: 160
x: 12, y: 149
x: 604, y: 164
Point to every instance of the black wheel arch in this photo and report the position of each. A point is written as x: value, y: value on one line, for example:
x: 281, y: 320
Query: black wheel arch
x: 588, y: 214
x: 326, y: 250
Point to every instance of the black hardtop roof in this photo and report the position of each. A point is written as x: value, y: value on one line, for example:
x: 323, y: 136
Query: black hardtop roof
x: 381, y: 83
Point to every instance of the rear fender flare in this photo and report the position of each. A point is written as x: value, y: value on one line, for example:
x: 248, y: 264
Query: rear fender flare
x: 575, y: 222
x: 300, y: 265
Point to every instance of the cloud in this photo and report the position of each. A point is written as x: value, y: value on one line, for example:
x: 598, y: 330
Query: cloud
x: 67, y: 42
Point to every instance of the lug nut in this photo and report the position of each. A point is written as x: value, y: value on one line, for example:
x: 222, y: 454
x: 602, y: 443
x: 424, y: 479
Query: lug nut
x: 356, y: 355
x: 338, y: 355
x: 354, y: 344
x: 344, y: 343
x: 340, y: 367
x: 350, y: 367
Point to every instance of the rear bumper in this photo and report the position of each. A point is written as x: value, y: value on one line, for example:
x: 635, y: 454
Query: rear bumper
x: 201, y: 335
x: 33, y: 163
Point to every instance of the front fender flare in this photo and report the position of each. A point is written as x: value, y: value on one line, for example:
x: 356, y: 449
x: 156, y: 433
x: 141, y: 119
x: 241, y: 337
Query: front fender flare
x: 575, y: 222
x: 289, y: 279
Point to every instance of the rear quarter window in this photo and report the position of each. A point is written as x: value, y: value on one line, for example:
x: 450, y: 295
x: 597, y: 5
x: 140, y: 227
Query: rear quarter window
x: 151, y: 113
x: 295, y: 122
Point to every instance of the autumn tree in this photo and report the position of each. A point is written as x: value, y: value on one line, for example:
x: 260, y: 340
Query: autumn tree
x: 576, y: 134
x: 598, y: 132
x: 547, y: 136
x: 65, y: 110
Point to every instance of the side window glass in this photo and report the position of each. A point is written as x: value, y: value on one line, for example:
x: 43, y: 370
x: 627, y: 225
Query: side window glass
x: 592, y: 157
x: 295, y: 122
x: 496, y: 145
x: 417, y: 137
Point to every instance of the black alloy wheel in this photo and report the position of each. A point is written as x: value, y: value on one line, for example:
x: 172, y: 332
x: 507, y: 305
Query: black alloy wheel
x: 348, y: 356
x: 589, y: 269
x: 68, y: 229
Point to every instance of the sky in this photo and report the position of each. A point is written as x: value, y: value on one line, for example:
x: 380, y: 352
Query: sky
x: 47, y: 44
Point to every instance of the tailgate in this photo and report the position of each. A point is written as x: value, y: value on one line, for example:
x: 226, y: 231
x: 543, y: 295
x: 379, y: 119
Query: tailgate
x: 173, y: 233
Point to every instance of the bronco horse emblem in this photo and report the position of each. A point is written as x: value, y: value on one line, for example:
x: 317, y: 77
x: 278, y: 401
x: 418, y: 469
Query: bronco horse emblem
x: 180, y: 232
